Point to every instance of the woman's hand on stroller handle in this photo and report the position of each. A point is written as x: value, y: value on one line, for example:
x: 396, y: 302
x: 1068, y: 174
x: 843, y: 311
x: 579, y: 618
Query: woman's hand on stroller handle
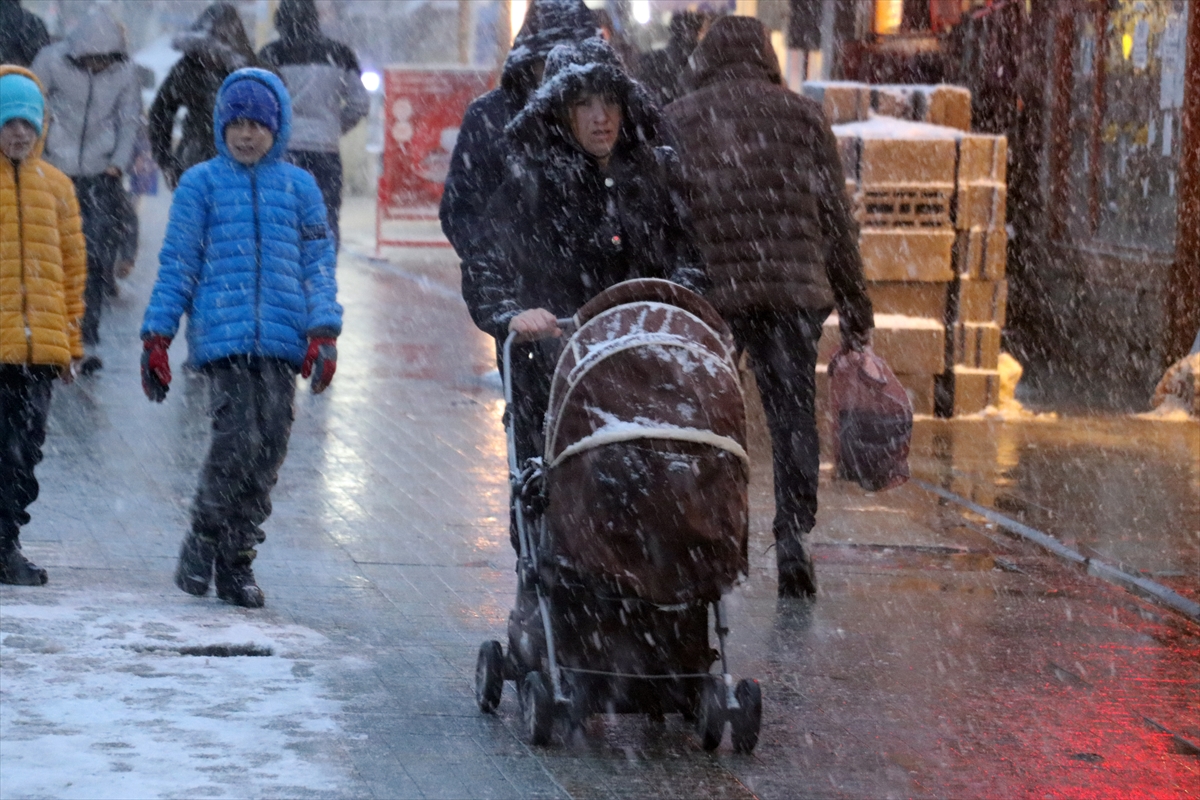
x: 533, y: 324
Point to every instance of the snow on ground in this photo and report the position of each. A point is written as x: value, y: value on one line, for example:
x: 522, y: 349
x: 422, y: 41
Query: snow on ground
x: 98, y: 701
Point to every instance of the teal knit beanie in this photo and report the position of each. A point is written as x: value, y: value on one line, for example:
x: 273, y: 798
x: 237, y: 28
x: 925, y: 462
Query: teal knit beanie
x: 20, y: 98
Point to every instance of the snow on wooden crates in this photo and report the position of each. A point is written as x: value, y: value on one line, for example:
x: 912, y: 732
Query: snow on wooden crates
x: 842, y: 101
x: 940, y: 104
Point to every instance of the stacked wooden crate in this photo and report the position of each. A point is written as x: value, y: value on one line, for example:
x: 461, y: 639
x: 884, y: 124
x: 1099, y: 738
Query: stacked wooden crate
x: 979, y: 292
x: 939, y: 104
x: 901, y: 181
x: 929, y: 200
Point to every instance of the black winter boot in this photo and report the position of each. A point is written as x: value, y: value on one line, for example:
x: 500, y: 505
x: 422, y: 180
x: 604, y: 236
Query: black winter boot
x: 18, y: 570
x: 797, y: 577
x: 235, y: 581
x: 195, y: 567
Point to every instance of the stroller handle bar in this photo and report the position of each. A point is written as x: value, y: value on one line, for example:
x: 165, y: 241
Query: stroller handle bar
x: 527, y: 558
x: 567, y: 324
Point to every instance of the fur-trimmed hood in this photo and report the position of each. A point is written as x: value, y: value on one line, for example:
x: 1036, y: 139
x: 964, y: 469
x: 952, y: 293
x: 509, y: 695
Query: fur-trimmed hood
x: 590, y: 67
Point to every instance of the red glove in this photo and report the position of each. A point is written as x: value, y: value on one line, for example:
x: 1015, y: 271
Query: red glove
x: 156, y: 367
x: 320, y: 361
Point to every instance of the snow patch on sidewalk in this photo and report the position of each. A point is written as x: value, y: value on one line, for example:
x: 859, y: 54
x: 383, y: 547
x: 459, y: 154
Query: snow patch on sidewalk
x: 97, y: 701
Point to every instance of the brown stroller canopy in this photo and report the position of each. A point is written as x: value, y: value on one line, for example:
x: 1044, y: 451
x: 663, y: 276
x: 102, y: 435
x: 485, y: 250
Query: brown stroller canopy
x: 646, y: 447
x: 650, y: 360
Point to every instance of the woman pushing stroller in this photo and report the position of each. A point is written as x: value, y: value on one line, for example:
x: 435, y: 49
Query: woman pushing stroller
x: 639, y: 515
x: 590, y: 202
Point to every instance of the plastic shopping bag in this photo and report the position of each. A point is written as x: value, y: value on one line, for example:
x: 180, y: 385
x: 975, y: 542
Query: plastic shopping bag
x: 872, y: 420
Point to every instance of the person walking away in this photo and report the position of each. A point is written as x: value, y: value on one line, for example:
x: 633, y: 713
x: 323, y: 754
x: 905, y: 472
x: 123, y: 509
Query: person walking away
x: 95, y: 101
x: 22, y: 34
x: 589, y: 203
x: 664, y: 72
x: 477, y: 165
x: 43, y: 268
x: 143, y: 180
x: 214, y: 46
x: 249, y: 258
x: 766, y: 191
x: 325, y: 82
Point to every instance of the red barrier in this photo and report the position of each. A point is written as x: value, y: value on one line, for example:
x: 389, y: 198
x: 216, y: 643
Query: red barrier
x: 423, y: 109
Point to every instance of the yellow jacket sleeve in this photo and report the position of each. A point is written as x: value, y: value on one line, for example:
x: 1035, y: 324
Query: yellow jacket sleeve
x: 74, y: 256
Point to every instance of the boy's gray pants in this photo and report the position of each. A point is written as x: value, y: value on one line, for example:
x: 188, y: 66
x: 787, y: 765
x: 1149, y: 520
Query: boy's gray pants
x: 250, y: 402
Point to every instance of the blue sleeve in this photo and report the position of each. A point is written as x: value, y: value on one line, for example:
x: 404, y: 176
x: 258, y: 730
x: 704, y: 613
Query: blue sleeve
x: 181, y: 257
x: 318, y: 259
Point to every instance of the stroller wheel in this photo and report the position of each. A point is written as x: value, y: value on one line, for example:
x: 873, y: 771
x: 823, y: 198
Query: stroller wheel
x: 489, y: 676
x: 711, y: 719
x: 537, y: 708
x: 746, y: 721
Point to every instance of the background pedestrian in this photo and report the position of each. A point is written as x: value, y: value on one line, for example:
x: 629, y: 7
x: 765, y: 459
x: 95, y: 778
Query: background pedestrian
x: 43, y: 268
x: 95, y: 101
x: 766, y: 192
x: 214, y: 46
x: 22, y: 34
x: 477, y: 166
x: 328, y: 98
x: 261, y: 301
x: 588, y: 203
x: 664, y: 72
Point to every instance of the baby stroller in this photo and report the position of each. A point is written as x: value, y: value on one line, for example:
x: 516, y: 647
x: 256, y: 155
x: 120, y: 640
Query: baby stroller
x: 632, y: 525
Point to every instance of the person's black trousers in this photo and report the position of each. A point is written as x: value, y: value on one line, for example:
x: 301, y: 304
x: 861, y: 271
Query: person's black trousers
x: 783, y: 354
x: 250, y: 402
x: 327, y: 169
x: 104, y: 206
x: 24, y: 404
x: 533, y: 370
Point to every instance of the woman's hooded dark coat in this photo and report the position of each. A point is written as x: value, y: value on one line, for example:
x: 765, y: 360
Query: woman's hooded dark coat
x: 561, y: 229
x: 215, y: 46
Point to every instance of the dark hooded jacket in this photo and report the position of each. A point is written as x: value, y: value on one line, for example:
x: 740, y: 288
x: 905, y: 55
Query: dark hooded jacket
x: 664, y: 72
x: 561, y: 229
x: 477, y: 164
x: 322, y: 76
x: 765, y: 185
x: 22, y: 34
x: 215, y: 46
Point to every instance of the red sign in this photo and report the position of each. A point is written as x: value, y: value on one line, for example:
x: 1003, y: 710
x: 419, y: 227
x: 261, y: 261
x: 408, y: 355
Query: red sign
x: 423, y: 109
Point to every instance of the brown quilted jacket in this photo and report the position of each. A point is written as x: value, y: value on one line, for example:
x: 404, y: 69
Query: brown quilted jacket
x: 765, y: 184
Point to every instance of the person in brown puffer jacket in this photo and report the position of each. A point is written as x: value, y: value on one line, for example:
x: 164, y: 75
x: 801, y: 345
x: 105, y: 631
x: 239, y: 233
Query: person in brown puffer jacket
x: 765, y: 186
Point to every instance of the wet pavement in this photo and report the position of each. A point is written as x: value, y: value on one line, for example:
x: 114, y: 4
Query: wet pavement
x: 942, y: 658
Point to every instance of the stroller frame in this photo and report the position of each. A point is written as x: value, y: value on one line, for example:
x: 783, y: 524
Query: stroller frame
x: 721, y: 700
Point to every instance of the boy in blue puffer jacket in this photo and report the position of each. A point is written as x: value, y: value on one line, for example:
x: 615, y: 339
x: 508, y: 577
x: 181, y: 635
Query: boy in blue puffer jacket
x: 249, y: 258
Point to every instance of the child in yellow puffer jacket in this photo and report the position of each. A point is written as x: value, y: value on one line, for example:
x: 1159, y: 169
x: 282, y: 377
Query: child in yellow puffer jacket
x: 43, y: 268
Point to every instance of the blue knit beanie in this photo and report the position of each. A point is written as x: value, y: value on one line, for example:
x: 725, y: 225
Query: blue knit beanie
x: 20, y: 98
x: 251, y: 99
